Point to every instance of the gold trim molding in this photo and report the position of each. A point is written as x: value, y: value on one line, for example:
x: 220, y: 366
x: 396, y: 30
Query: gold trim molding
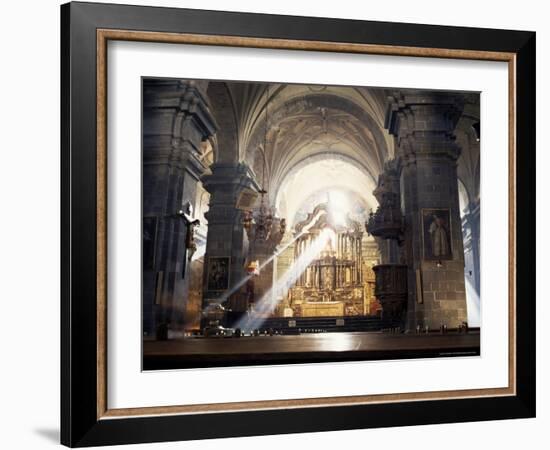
x: 103, y: 36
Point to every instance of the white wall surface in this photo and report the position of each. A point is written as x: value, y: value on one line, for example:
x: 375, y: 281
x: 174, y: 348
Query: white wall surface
x: 29, y: 181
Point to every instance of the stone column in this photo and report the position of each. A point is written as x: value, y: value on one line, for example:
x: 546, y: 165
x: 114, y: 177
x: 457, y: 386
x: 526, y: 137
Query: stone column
x: 176, y: 119
x: 473, y: 222
x: 423, y: 124
x: 226, y: 240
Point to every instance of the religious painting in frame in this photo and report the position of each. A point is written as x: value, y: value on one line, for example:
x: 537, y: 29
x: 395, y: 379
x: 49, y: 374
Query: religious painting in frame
x: 218, y: 273
x: 436, y: 233
x: 110, y: 393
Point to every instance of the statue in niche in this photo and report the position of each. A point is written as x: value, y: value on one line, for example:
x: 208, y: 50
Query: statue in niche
x: 437, y: 236
x: 190, y: 238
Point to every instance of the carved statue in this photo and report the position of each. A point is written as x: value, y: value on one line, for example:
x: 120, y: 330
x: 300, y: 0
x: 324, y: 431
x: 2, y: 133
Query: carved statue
x: 190, y: 238
x: 187, y: 215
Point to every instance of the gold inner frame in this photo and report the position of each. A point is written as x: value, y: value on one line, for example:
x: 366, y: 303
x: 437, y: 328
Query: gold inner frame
x: 104, y: 35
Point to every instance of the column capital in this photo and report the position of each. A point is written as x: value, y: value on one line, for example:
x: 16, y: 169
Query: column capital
x: 423, y: 123
x: 185, y: 99
x: 193, y: 105
x: 225, y: 176
x: 416, y: 110
x: 225, y: 183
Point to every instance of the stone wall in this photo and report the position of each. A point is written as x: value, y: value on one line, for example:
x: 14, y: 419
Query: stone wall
x: 423, y: 123
x: 176, y: 119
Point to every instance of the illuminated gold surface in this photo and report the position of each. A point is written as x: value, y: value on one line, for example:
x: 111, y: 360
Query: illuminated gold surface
x: 322, y: 309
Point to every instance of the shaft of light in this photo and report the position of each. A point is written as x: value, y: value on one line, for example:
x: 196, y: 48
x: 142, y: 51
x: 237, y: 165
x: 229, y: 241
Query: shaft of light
x: 201, y: 250
x: 265, y: 305
x: 243, y: 281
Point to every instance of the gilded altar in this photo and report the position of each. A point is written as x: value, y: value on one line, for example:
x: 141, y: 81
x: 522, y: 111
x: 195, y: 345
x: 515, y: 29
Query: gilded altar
x: 320, y: 309
x: 336, y: 282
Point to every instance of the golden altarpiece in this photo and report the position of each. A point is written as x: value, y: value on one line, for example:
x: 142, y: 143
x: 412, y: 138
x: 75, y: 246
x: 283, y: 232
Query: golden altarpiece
x: 339, y: 280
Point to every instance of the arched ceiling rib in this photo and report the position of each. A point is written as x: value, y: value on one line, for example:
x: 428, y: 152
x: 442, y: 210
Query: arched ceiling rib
x: 302, y: 120
x: 223, y: 108
x: 469, y: 162
x: 308, y: 120
x: 322, y: 175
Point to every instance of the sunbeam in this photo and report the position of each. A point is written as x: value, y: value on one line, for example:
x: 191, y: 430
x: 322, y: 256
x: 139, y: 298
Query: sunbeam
x: 266, y: 305
x: 243, y: 281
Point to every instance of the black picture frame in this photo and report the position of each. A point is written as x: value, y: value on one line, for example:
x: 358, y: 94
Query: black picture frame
x: 81, y: 421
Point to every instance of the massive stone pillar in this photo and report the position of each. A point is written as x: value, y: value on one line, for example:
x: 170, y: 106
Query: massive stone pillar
x: 423, y: 123
x: 226, y: 242
x: 176, y: 119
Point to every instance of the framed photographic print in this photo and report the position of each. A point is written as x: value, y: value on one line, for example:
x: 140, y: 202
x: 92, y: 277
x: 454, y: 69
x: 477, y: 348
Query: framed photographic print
x: 255, y: 198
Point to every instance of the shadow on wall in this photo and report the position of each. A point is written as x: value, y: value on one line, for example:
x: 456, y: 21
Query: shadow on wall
x: 50, y: 434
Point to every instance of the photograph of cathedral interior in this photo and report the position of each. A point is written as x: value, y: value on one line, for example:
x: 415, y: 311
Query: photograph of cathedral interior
x: 288, y: 223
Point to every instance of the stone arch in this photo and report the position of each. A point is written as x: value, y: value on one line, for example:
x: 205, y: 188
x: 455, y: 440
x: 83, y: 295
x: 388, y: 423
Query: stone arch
x: 318, y: 100
x: 463, y: 198
x: 302, y: 183
x: 469, y: 161
x: 226, y: 142
x: 373, y: 155
x: 319, y: 157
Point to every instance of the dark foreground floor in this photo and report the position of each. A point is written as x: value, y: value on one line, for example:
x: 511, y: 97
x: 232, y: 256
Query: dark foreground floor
x: 304, y: 348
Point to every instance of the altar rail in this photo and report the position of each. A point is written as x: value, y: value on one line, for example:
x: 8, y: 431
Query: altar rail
x: 294, y: 325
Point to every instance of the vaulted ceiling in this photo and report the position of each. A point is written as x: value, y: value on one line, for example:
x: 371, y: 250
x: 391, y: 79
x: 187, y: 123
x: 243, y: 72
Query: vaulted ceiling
x: 278, y: 129
x: 301, y: 122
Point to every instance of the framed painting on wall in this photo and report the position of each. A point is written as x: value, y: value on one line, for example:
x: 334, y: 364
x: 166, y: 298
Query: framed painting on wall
x: 436, y: 227
x: 218, y: 274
